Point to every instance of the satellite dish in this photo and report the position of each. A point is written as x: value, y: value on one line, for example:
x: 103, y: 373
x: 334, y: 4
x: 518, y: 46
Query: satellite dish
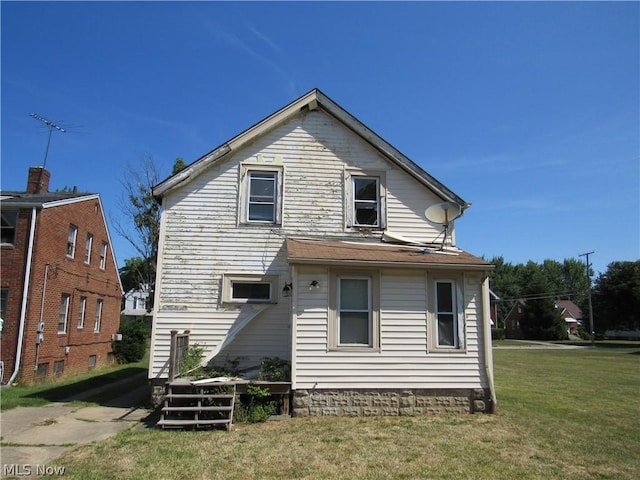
x: 443, y: 213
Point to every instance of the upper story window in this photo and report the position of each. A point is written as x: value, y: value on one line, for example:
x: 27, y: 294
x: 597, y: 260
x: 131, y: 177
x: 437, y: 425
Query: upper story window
x: 64, y: 313
x: 365, y: 204
x: 242, y: 288
x: 261, y: 194
x: 103, y: 255
x: 87, y: 248
x: 82, y: 311
x: 71, y: 241
x: 8, y: 226
x: 354, y: 310
x: 98, y: 319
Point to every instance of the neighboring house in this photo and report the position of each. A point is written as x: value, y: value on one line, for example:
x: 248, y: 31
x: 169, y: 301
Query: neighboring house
x: 135, y: 303
x: 271, y: 245
x: 571, y: 313
x: 60, y: 286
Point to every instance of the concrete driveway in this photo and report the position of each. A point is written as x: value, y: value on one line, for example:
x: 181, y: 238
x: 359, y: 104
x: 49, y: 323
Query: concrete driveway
x: 34, y: 437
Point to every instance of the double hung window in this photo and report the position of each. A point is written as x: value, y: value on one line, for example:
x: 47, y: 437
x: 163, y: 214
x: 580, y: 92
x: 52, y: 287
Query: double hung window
x: 98, y: 318
x: 8, y: 226
x: 263, y: 197
x: 87, y: 248
x: 71, y: 241
x: 64, y: 313
x: 448, y: 317
x: 365, y: 204
x: 354, y: 319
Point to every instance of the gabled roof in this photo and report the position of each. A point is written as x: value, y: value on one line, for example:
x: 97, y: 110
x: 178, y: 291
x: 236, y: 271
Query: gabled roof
x: 312, y: 100
x: 328, y: 252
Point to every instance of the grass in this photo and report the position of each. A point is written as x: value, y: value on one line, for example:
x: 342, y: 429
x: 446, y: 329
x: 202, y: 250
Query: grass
x: 58, y: 389
x: 569, y: 414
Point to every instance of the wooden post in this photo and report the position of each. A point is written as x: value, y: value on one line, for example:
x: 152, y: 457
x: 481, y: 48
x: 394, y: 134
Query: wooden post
x: 172, y: 355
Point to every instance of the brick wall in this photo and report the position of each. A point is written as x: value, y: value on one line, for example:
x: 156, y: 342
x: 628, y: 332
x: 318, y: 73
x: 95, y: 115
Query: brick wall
x: 54, y: 274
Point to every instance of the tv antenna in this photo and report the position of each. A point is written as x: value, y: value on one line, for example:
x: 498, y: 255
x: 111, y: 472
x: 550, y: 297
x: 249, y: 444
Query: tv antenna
x: 51, y: 126
x: 443, y: 213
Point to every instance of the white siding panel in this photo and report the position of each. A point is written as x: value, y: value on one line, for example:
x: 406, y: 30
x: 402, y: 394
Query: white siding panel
x: 202, y: 240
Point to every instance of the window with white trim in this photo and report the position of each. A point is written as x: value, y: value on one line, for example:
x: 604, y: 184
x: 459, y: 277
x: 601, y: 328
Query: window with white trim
x: 365, y: 203
x: 87, y: 248
x: 354, y: 320
x: 8, y: 226
x: 63, y: 315
x: 71, y: 241
x: 82, y: 311
x: 261, y: 194
x: 103, y: 255
x: 98, y: 320
x: 243, y: 288
x: 447, y: 313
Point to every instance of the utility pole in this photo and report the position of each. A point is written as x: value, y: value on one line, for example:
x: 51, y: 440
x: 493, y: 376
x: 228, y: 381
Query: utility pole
x: 590, y: 305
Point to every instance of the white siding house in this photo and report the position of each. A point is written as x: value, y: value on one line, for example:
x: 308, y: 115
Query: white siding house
x: 277, y: 244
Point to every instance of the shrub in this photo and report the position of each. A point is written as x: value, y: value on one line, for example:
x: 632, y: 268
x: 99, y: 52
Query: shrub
x: 497, y: 334
x: 274, y: 369
x: 254, y: 406
x: 134, y: 341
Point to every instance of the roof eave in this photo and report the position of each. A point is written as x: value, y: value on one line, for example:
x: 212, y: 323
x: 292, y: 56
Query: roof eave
x: 375, y: 263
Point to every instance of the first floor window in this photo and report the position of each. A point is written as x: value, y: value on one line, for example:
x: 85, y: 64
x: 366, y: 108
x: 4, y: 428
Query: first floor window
x: 82, y: 311
x: 58, y: 367
x: 4, y: 295
x: 71, y: 241
x: 64, y: 313
x: 354, y: 313
x: 96, y: 325
x: 92, y: 361
x: 447, y: 315
x: 242, y: 288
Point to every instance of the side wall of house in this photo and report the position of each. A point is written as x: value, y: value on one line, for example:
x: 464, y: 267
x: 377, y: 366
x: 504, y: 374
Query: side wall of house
x: 202, y: 239
x: 54, y: 274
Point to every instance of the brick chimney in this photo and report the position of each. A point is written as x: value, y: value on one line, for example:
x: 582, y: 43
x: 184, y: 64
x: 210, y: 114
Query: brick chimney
x: 38, y: 180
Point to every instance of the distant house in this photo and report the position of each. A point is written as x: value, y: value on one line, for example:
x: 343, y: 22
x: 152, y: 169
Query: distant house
x: 571, y: 313
x: 305, y: 238
x: 136, y: 303
x: 60, y: 285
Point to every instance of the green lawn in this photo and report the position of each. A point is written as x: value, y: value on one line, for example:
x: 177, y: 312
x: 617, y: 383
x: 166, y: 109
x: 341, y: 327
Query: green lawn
x: 566, y: 414
x: 58, y: 389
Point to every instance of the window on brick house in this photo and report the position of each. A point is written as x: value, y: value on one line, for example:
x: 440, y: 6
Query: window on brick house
x: 82, y: 311
x: 71, y: 241
x: 4, y: 295
x: 103, y: 255
x: 8, y: 226
x: 58, y: 367
x: 92, y: 361
x: 63, y: 315
x: 98, y: 321
x: 87, y: 248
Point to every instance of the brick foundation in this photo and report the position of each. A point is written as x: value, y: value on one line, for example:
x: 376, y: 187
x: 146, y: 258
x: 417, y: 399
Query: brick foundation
x: 388, y: 402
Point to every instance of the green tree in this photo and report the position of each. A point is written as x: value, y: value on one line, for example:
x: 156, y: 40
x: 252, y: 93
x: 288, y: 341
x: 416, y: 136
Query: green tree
x: 541, y: 319
x: 178, y: 165
x: 616, y: 297
x: 135, y: 273
x: 134, y: 341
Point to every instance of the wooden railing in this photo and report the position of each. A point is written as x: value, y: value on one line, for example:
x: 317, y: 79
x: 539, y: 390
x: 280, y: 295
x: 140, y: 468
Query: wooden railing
x: 179, y: 346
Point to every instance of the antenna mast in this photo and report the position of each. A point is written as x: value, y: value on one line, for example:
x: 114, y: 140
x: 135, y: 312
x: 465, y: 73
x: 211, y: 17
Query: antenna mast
x: 51, y: 126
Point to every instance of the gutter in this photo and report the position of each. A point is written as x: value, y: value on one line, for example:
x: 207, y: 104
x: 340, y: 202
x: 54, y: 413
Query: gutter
x: 25, y: 291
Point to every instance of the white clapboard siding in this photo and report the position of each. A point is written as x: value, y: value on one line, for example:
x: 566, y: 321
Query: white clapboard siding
x: 202, y: 240
x: 404, y: 359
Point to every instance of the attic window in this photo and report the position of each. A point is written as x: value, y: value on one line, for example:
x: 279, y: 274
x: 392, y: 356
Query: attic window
x: 365, y: 202
x: 8, y: 228
x: 260, y: 200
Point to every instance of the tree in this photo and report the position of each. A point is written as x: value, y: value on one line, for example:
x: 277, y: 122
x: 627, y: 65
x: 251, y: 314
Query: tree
x: 616, y: 297
x: 134, y: 341
x: 178, y: 165
x: 541, y: 319
x: 143, y: 214
x: 135, y: 273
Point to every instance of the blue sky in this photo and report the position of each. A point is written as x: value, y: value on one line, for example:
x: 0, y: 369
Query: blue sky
x: 529, y: 111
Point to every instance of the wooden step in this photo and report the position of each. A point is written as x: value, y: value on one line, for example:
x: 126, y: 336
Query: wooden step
x: 192, y: 423
x: 198, y: 396
x: 211, y: 408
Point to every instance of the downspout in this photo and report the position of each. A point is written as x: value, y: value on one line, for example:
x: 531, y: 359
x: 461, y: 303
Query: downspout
x: 25, y: 291
x: 41, y: 320
x: 488, y: 347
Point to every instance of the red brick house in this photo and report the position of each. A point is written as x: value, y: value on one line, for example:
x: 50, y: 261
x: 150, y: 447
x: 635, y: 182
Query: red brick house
x: 60, y: 288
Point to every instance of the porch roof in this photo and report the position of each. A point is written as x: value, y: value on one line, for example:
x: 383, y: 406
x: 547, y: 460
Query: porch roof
x: 341, y: 252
